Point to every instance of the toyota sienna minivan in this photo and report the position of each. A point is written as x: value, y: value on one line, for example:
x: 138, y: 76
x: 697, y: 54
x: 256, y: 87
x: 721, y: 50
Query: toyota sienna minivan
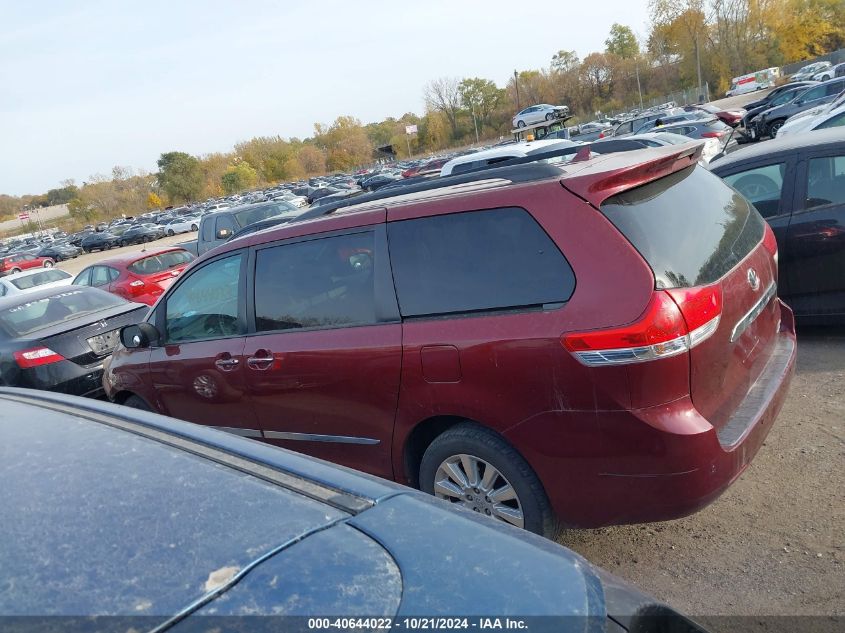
x: 581, y: 345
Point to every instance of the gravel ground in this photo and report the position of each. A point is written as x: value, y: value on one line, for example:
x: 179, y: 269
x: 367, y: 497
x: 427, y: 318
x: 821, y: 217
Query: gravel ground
x: 75, y: 266
x: 772, y: 545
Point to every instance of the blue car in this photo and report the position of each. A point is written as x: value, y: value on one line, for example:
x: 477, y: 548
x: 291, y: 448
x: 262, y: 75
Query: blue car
x: 161, y: 524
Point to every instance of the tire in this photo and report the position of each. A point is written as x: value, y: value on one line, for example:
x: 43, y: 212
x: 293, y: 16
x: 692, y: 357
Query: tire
x: 170, y: 233
x: 478, y: 443
x: 520, y: 124
x: 774, y: 126
x: 136, y: 402
x: 550, y: 117
x: 194, y: 228
x: 14, y: 271
x: 49, y: 263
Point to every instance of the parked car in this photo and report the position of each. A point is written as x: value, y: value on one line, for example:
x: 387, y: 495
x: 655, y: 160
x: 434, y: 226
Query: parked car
x: 819, y: 118
x: 59, y: 251
x: 539, y: 113
x: 633, y: 125
x: 769, y: 121
x: 216, y: 228
x: 798, y: 184
x: 369, y: 184
x: 57, y: 338
x: 658, y: 138
x: 681, y: 117
x: 291, y: 535
x: 494, y: 155
x: 830, y: 72
x: 469, y: 362
x: 808, y: 71
x: 732, y: 117
x: 783, y: 96
x: 141, y: 234
x: 15, y: 263
x: 34, y: 279
x: 142, y: 277
x: 102, y: 241
x: 182, y: 224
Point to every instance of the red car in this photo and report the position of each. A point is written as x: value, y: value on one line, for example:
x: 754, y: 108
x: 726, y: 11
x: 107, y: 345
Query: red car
x: 431, y: 166
x: 140, y: 277
x: 11, y: 264
x: 597, y: 343
x: 731, y: 117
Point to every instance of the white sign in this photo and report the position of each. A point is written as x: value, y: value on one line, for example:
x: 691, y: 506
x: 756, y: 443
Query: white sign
x: 410, y: 129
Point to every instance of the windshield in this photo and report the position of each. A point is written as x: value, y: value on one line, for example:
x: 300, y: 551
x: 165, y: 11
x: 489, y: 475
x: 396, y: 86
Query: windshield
x: 256, y: 214
x: 37, y: 314
x: 40, y: 278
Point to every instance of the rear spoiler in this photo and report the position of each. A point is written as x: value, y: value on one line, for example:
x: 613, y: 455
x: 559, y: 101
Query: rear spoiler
x: 600, y: 180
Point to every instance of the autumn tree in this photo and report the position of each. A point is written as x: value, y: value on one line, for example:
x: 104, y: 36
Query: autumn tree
x: 312, y: 160
x: 345, y: 142
x: 443, y: 95
x: 481, y: 97
x: 239, y: 177
x: 565, y: 61
x: 180, y: 176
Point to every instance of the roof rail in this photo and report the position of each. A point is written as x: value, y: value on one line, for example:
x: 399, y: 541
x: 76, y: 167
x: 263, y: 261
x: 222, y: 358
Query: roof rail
x: 514, y: 174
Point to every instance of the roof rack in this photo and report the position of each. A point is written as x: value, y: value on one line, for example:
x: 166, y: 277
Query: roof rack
x: 514, y: 174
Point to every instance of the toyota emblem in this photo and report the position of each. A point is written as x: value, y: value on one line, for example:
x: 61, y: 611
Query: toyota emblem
x: 753, y: 279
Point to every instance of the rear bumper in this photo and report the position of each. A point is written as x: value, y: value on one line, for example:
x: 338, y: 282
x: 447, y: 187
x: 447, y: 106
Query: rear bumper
x: 656, y: 464
x: 64, y: 377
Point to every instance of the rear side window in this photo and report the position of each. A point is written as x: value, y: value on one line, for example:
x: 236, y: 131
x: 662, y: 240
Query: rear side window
x: 475, y: 261
x: 689, y: 226
x: 825, y: 181
x: 762, y: 186
x: 326, y: 283
x: 159, y: 263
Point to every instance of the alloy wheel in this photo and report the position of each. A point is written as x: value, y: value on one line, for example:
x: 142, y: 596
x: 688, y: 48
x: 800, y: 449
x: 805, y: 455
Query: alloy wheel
x: 478, y: 486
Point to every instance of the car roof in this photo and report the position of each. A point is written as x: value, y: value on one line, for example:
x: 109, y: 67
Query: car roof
x: 171, y: 515
x: 818, y: 138
x: 33, y: 271
x: 11, y: 301
x: 132, y: 257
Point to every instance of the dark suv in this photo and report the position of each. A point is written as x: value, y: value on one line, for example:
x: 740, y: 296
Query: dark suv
x: 599, y: 343
x: 770, y: 121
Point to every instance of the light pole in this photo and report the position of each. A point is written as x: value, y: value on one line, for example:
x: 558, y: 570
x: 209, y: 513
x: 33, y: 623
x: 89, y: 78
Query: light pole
x: 639, y: 90
x: 516, y: 84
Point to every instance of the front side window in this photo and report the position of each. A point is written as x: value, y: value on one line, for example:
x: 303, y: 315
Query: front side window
x: 326, y: 283
x: 762, y: 186
x: 83, y: 278
x: 206, y: 304
x: 499, y: 259
x: 100, y: 276
x: 825, y: 181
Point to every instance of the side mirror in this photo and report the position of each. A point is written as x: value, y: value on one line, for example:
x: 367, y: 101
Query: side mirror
x: 138, y: 336
x: 224, y: 234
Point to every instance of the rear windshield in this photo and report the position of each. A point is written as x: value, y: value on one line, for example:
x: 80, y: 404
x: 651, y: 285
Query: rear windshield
x: 159, y: 263
x: 41, y: 313
x: 690, y: 227
x: 44, y: 277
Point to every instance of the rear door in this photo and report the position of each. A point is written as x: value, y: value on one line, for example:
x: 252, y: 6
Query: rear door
x: 816, y: 235
x: 324, y: 355
x: 197, y: 370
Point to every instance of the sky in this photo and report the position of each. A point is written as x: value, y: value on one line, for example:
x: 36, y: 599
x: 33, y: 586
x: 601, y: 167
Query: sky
x: 88, y: 85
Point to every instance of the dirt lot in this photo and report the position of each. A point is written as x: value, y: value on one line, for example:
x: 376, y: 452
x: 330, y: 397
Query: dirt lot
x: 76, y: 265
x: 773, y: 543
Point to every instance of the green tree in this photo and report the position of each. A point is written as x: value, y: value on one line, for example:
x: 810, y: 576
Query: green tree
x: 180, y: 176
x: 81, y: 211
x: 564, y: 61
x: 63, y: 195
x: 239, y: 177
x: 345, y: 142
x: 622, y: 42
x: 481, y: 97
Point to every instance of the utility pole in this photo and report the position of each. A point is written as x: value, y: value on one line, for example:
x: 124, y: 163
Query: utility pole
x: 516, y: 83
x: 639, y: 90
x: 698, y: 69
x: 475, y: 122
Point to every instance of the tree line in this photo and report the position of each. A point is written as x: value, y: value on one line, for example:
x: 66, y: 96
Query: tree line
x: 718, y: 39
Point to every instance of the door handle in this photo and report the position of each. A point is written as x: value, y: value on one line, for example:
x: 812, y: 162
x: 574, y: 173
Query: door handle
x: 261, y: 363
x: 226, y: 364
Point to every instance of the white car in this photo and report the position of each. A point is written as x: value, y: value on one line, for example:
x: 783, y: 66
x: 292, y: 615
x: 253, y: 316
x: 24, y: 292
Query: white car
x: 489, y: 157
x: 712, y: 146
x: 539, y: 113
x: 36, y: 279
x: 830, y: 72
x: 184, y: 224
x: 299, y: 201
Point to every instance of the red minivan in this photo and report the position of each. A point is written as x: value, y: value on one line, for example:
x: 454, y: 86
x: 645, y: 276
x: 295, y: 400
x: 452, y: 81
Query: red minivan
x: 588, y: 344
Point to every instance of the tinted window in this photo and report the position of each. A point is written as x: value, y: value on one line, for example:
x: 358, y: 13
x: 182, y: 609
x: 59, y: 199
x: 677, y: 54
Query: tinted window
x: 834, y: 121
x: 100, y: 276
x: 208, y: 231
x: 83, y: 278
x: 224, y: 223
x: 826, y: 181
x: 814, y: 93
x: 256, y: 214
x: 159, y: 263
x: 479, y: 260
x: 689, y: 226
x: 834, y: 88
x: 205, y: 305
x: 45, y: 277
x: 41, y: 313
x: 320, y: 283
x: 762, y: 186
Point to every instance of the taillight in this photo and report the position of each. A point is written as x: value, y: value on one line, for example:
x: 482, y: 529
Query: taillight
x: 36, y: 357
x: 770, y: 243
x: 674, y: 322
x: 712, y: 134
x: 136, y: 287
